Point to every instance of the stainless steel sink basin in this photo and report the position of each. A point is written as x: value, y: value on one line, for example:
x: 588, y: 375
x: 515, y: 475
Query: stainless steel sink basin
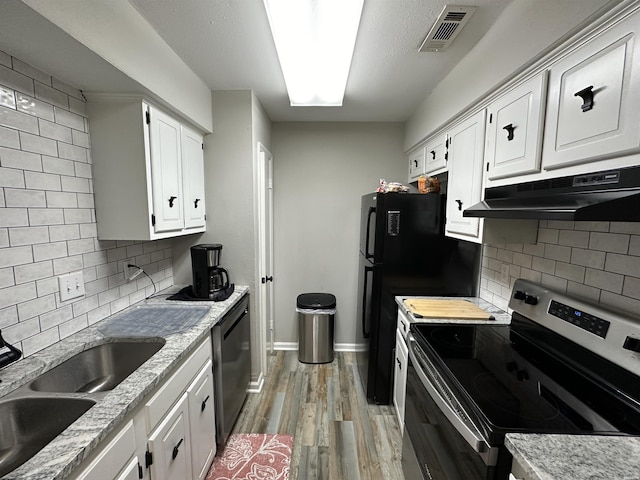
x: 96, y: 369
x: 30, y: 423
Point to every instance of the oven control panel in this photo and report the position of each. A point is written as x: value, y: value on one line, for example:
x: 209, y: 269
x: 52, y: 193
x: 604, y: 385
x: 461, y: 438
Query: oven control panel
x: 579, y: 318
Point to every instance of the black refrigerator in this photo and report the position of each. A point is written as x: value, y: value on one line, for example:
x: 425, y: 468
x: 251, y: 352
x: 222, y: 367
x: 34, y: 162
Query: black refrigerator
x: 403, y: 251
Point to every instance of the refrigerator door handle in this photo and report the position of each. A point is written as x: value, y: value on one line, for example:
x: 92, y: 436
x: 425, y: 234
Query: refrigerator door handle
x: 372, y: 211
x: 367, y: 271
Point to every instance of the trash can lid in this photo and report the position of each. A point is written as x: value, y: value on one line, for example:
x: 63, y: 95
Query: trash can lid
x: 316, y: 300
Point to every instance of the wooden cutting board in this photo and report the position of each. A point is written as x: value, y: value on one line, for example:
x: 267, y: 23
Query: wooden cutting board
x: 431, y: 308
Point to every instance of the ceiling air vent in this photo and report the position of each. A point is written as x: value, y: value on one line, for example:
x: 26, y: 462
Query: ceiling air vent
x: 447, y: 27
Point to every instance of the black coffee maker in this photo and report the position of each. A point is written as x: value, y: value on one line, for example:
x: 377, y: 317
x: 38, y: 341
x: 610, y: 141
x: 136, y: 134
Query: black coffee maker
x: 210, y: 280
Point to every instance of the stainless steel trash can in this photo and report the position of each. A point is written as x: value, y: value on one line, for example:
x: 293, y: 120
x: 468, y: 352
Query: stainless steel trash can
x: 316, y: 319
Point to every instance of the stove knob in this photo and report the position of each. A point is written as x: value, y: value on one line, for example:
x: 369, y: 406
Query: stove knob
x: 519, y: 295
x: 632, y: 344
x: 530, y: 300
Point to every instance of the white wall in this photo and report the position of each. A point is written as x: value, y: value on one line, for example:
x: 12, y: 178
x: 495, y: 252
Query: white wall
x: 47, y: 216
x: 320, y: 172
x: 524, y: 30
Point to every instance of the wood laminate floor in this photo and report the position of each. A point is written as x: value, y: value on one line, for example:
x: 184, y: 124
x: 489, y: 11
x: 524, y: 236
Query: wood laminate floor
x: 337, y: 435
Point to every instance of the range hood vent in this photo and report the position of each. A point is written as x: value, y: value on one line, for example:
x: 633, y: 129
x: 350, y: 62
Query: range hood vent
x: 447, y: 27
x: 612, y: 195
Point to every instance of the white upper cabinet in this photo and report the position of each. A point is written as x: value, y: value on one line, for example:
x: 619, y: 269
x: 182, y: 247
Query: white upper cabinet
x: 435, y: 155
x: 416, y: 164
x: 514, y: 130
x: 193, y: 178
x: 594, y: 99
x: 148, y: 171
x: 464, y: 184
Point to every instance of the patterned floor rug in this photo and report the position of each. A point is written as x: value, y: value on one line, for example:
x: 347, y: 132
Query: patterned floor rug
x: 253, y: 457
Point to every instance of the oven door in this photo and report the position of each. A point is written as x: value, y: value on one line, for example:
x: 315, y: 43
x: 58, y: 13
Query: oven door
x: 440, y: 442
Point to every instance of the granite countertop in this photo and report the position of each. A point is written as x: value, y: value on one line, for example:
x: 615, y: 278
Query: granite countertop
x: 60, y: 457
x: 576, y: 457
x: 500, y: 316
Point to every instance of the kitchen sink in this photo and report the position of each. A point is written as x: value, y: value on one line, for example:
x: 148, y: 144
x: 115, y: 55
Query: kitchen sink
x: 30, y: 423
x: 96, y: 369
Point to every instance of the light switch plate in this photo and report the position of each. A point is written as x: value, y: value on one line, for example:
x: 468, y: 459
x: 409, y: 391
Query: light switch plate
x: 71, y: 285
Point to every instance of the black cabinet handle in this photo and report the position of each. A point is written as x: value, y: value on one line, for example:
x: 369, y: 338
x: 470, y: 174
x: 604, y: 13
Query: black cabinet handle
x: 509, y: 128
x: 204, y: 404
x: 433, y: 154
x: 174, y: 454
x: 587, y: 98
x: 195, y: 203
x: 459, y: 202
x: 416, y: 163
x: 171, y: 199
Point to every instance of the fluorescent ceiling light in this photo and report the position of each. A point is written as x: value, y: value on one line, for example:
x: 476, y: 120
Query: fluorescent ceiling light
x: 315, y: 41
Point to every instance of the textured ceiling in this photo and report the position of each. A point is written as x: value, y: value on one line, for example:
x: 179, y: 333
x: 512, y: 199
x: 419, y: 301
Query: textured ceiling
x: 228, y: 44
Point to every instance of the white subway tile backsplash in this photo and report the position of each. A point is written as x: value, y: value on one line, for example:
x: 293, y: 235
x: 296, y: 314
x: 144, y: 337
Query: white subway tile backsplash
x: 561, y: 224
x: 584, y: 291
x: 29, y: 71
x: 634, y: 245
x: 35, y: 307
x: 555, y: 283
x: 42, y: 181
x: 5, y: 59
x: 49, y: 251
x: 47, y: 216
x: 604, y: 280
x: 58, y: 165
x: 28, y: 235
x: 572, y: 238
x: 625, y: 227
x: 72, y: 152
x: 624, y: 264
x: 631, y: 287
x: 588, y: 258
x: 61, y: 199
x: 570, y: 272
x: 33, y: 271
x: 11, y: 177
x: 13, y: 217
x: 24, y: 198
x: 77, y: 215
x: 15, y: 80
x: 55, y: 131
x: 34, y: 107
x: 51, y: 95
x: 7, y: 97
x: 17, y: 294
x: 548, y: 235
x: 9, y: 138
x: 609, y: 242
x: 543, y: 265
x: 11, y: 158
x: 593, y: 226
x: 556, y: 252
x: 6, y: 277
x: 65, y: 117
x: 18, y: 120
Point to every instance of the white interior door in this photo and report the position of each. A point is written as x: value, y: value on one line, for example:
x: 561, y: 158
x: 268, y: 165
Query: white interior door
x: 265, y: 213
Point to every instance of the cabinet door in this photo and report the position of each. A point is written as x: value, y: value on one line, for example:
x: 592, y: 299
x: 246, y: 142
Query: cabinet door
x: 166, y: 172
x: 435, y: 154
x: 464, y: 184
x: 400, y: 378
x: 594, y: 98
x: 169, y: 445
x: 514, y: 131
x: 416, y: 164
x: 130, y: 472
x: 117, y: 456
x: 202, y: 421
x: 193, y: 179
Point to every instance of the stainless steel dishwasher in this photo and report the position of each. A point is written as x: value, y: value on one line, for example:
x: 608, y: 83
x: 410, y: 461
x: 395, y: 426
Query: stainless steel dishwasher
x: 231, y: 366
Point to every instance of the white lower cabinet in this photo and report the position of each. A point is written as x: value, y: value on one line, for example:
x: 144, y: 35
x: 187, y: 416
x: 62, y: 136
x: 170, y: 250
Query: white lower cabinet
x: 169, y: 445
x: 170, y: 436
x: 400, y: 377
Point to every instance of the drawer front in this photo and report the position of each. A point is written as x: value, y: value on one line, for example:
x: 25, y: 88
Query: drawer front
x: 157, y: 407
x: 114, y: 457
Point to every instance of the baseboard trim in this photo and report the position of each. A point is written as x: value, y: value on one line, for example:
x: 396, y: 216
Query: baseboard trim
x: 256, y: 386
x: 338, y: 347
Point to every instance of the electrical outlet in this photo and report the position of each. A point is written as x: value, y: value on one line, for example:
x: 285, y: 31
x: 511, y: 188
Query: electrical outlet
x: 71, y: 285
x: 130, y: 272
x: 504, y: 274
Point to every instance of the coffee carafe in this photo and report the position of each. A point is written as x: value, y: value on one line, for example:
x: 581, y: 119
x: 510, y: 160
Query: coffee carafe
x: 209, y: 277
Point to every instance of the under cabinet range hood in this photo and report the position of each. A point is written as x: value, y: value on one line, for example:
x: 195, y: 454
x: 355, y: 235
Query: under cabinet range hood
x: 611, y: 195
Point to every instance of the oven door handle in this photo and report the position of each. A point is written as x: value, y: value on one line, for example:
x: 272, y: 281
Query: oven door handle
x: 470, y: 436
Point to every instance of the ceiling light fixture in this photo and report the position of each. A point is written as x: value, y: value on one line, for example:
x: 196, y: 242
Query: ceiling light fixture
x: 315, y: 41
